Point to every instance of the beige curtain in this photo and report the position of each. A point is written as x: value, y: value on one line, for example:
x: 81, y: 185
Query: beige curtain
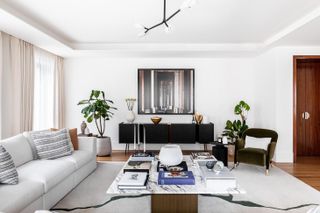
x: 16, y: 93
x: 59, y: 93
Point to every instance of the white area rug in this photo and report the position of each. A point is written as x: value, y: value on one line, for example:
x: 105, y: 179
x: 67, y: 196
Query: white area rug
x: 278, y: 190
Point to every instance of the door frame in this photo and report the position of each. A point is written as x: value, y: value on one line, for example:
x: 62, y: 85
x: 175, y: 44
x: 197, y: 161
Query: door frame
x: 295, y: 81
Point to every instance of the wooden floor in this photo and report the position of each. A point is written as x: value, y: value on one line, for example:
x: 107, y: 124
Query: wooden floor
x: 306, y: 169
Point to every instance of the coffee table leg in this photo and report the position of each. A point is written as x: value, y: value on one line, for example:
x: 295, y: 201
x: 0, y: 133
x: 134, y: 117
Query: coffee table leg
x: 186, y: 203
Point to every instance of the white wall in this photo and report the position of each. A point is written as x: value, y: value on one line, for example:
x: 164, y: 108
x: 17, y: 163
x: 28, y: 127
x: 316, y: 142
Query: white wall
x: 265, y: 82
x: 275, y: 68
x: 219, y: 84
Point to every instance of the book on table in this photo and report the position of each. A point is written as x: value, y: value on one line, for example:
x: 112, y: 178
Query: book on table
x: 143, y: 156
x: 176, y: 178
x: 180, y: 167
x: 202, y: 156
x: 133, y: 180
x: 137, y: 166
x: 218, y: 182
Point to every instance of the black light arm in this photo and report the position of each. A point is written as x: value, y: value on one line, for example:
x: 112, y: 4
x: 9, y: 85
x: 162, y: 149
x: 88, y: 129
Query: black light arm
x: 165, y: 19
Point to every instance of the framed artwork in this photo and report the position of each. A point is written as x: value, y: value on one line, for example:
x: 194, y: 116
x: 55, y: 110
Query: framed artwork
x: 165, y: 91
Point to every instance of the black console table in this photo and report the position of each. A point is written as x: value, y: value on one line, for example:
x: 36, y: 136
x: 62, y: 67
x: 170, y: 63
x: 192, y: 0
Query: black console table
x: 179, y: 133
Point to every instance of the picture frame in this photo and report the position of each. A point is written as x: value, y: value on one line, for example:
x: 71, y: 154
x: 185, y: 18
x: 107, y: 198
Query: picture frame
x: 166, y: 91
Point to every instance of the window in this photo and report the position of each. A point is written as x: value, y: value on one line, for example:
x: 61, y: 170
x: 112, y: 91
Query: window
x: 43, y: 113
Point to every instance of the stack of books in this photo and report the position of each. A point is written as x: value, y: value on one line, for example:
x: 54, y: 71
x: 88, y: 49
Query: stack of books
x: 176, y: 178
x: 143, y: 156
x: 137, y: 166
x: 218, y: 182
x: 133, y: 180
x: 202, y: 156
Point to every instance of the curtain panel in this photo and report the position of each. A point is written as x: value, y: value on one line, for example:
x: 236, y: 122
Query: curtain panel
x: 49, y: 91
x: 16, y: 93
x: 31, y: 87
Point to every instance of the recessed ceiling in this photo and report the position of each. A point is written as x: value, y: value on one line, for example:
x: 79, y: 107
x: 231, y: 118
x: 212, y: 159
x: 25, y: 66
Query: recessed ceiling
x: 79, y: 24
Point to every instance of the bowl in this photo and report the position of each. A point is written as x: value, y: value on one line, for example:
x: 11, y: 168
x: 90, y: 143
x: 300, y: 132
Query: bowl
x: 156, y: 120
x: 170, y: 155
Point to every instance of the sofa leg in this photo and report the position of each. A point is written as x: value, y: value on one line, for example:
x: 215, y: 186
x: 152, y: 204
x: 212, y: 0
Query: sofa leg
x: 267, y: 172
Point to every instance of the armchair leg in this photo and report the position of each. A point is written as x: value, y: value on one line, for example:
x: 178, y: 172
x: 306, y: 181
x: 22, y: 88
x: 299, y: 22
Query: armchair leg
x: 271, y: 163
x: 267, y: 172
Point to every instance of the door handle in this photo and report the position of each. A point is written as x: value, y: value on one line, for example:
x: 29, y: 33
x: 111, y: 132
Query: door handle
x: 306, y: 115
x: 303, y: 115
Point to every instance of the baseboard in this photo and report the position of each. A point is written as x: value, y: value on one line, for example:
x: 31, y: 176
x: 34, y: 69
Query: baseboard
x: 283, y: 157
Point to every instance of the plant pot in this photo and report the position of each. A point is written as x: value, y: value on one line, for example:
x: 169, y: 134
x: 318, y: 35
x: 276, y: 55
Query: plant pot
x: 104, y: 147
x: 131, y: 116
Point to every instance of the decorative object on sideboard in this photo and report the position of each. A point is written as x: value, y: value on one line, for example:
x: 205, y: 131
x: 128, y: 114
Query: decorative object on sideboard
x: 186, y: 4
x: 236, y: 128
x: 83, y: 127
x: 198, y: 117
x: 99, y: 109
x: 166, y: 91
x: 156, y: 120
x: 218, y: 167
x: 170, y: 155
x: 224, y: 140
x: 130, y: 104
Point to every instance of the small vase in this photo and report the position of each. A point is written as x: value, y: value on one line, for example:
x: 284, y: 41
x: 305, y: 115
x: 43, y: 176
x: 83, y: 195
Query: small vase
x: 131, y: 116
x: 83, y: 127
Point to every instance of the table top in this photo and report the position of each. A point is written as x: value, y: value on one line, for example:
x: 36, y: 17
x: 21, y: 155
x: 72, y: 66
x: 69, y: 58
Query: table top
x: 154, y: 188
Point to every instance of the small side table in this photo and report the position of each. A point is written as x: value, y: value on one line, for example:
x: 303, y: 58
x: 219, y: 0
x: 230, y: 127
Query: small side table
x: 220, y: 152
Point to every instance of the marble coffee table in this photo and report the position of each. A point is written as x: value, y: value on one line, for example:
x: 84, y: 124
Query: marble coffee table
x: 174, y: 196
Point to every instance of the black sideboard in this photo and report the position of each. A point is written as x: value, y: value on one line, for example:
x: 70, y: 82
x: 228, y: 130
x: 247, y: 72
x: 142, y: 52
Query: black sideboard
x: 180, y: 133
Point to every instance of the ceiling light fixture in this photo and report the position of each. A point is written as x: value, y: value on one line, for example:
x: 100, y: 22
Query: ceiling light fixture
x: 186, y: 4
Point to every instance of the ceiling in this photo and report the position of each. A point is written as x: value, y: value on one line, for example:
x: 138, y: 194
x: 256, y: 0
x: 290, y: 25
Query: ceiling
x: 75, y: 27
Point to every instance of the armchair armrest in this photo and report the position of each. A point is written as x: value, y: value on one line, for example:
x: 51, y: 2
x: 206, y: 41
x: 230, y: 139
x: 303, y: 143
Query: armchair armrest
x: 271, y: 149
x: 88, y: 144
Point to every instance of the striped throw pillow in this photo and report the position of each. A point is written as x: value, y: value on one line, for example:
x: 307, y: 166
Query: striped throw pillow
x: 8, y: 172
x: 52, y: 145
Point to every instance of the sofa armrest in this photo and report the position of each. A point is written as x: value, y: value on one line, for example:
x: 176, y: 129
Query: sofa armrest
x: 88, y: 144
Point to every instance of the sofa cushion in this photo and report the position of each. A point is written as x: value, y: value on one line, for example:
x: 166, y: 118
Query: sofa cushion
x: 48, y: 172
x: 73, y: 133
x: 52, y: 145
x: 252, y: 156
x: 79, y: 158
x: 8, y: 172
x: 14, y: 198
x: 31, y: 143
x: 19, y: 149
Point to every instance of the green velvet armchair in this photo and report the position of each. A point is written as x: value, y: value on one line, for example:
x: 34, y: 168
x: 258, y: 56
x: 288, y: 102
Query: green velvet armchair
x: 256, y: 156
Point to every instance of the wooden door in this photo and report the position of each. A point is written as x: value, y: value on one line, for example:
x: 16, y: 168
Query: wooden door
x: 308, y: 107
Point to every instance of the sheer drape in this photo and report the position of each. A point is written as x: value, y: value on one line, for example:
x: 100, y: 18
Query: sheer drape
x: 48, y: 90
x: 16, y: 93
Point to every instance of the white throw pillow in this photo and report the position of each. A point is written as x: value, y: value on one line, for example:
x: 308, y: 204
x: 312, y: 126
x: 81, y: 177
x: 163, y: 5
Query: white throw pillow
x: 52, y: 145
x: 8, y: 172
x: 259, y: 143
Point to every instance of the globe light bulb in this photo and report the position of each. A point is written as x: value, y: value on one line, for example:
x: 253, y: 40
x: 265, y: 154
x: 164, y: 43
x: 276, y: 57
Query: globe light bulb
x: 142, y: 34
x: 139, y: 26
x: 188, y: 4
x: 167, y: 29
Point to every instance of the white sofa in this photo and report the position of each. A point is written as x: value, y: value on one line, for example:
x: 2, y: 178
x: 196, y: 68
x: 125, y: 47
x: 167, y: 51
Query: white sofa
x: 42, y: 183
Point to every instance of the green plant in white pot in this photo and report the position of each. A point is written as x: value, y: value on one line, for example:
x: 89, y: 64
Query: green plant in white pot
x: 99, y: 109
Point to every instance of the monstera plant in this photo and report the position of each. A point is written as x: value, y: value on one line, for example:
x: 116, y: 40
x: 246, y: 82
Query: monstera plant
x: 236, y: 128
x: 98, y: 109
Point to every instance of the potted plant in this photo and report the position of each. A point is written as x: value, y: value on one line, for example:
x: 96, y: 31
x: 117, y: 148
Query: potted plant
x: 235, y: 129
x: 99, y: 109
